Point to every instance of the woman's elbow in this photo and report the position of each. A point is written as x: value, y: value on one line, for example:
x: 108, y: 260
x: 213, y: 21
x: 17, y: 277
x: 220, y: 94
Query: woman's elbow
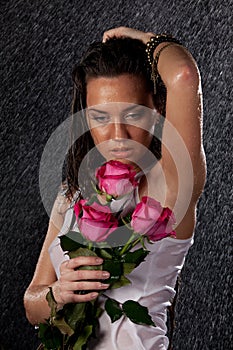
x: 186, y: 76
x: 27, y: 307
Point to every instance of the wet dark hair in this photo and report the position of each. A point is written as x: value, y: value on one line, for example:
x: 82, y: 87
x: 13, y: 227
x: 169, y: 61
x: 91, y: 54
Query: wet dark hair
x: 115, y: 57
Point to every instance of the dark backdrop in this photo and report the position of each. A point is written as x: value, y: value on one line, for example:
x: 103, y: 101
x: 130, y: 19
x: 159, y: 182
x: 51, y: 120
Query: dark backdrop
x: 40, y: 43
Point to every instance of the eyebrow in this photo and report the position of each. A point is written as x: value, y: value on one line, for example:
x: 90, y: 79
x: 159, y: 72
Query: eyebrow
x: 96, y: 110
x: 90, y: 109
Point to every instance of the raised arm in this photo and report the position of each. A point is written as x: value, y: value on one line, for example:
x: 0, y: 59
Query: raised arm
x: 181, y: 77
x: 183, y: 159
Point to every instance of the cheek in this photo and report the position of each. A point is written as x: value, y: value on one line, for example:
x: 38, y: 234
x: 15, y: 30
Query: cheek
x: 146, y: 138
x: 99, y: 135
x: 143, y: 136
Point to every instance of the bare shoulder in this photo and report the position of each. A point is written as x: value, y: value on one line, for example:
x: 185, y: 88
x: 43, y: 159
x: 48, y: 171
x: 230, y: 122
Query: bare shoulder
x: 64, y: 201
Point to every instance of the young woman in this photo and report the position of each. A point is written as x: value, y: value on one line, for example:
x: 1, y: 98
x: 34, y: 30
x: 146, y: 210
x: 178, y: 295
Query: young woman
x: 123, y: 84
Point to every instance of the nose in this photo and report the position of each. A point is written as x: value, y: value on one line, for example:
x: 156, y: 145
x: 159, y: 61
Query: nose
x: 119, y: 131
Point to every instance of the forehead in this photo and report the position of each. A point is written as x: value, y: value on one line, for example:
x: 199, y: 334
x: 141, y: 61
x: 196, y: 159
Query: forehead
x: 118, y: 108
x: 124, y: 88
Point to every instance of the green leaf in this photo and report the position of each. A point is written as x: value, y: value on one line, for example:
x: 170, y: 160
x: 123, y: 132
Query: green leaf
x: 83, y: 337
x: 93, y: 313
x: 71, y: 241
x: 50, y: 336
x: 115, y: 268
x: 75, y: 314
x: 99, y: 312
x: 136, y: 257
x: 123, y: 281
x: 105, y: 254
x: 85, y: 252
x: 137, y: 313
x: 61, y: 324
x: 52, y: 302
x: 113, y: 309
x: 128, y: 267
x: 42, y: 329
x: 103, y: 250
x: 56, y: 318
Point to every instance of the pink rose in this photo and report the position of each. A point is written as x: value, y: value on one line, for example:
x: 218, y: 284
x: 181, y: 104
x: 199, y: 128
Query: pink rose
x: 116, y: 178
x: 96, y: 221
x: 78, y: 207
x: 151, y: 219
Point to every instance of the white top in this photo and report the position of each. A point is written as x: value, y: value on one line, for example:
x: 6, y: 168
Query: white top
x: 153, y: 283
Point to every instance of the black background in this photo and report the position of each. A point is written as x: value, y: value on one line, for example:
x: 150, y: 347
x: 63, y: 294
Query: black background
x: 40, y: 43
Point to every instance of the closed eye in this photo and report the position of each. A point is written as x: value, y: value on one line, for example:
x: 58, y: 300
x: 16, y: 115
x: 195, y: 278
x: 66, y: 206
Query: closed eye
x: 134, y: 116
x: 100, y: 118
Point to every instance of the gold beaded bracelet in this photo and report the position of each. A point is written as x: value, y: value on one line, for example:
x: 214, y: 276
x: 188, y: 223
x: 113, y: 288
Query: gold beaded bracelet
x: 155, y: 41
x: 151, y: 46
x: 154, y: 68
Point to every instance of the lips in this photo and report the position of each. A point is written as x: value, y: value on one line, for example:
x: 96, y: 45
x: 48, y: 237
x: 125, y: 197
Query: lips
x: 122, y: 152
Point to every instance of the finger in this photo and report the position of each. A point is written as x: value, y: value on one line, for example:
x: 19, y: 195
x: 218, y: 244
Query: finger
x: 84, y: 286
x: 105, y: 37
x: 64, y: 293
x: 128, y: 32
x: 81, y: 261
x: 118, y: 32
x: 78, y: 275
x: 80, y: 298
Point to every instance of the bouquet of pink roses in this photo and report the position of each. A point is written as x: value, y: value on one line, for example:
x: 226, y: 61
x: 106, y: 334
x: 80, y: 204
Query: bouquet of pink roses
x: 110, y: 224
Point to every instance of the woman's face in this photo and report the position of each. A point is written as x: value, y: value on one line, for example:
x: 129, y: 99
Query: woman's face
x: 121, y: 117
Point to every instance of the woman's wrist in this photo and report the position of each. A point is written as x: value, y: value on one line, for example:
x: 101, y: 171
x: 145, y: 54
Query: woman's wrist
x: 155, y: 72
x: 155, y: 41
x: 147, y: 36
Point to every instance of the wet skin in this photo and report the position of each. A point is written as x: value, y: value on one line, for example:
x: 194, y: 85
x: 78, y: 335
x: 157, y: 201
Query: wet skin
x: 121, y: 116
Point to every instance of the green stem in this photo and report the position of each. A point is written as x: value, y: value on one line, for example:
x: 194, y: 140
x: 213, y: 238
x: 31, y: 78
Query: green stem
x: 63, y: 343
x: 140, y: 239
x: 126, y: 246
x: 126, y: 224
x: 90, y: 245
x: 95, y: 188
x: 129, y: 243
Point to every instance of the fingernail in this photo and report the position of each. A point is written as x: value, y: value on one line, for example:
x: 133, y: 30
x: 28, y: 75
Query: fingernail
x: 99, y: 260
x: 103, y: 285
x: 106, y: 274
x: 94, y: 295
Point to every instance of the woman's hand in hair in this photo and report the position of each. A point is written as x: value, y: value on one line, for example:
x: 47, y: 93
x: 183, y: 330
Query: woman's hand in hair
x: 127, y: 32
x: 73, y: 279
